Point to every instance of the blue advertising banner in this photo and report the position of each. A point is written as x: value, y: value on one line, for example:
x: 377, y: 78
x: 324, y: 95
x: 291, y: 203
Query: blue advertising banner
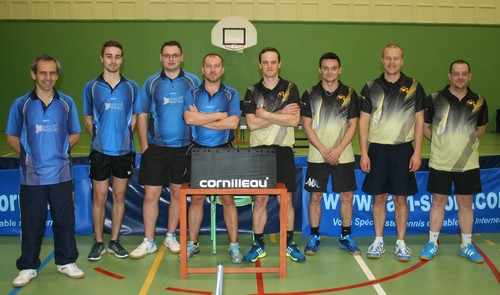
x: 10, y: 223
x: 486, y: 209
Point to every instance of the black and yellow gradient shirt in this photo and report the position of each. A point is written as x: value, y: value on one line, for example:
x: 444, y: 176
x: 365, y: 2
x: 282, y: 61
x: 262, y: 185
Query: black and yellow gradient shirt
x: 330, y: 114
x: 454, y: 144
x: 258, y: 96
x: 392, y: 107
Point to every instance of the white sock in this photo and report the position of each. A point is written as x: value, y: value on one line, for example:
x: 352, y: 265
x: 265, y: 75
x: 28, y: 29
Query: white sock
x: 234, y: 244
x: 433, y: 237
x: 400, y: 242
x: 466, y: 239
x: 379, y: 239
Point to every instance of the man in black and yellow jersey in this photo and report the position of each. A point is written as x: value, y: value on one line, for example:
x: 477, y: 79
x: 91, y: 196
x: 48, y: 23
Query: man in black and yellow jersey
x: 272, y: 111
x: 391, y: 118
x: 454, y: 121
x: 330, y: 113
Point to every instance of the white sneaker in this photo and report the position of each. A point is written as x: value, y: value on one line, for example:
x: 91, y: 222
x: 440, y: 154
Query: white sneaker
x: 24, y: 277
x: 71, y: 270
x: 146, y: 247
x: 171, y: 243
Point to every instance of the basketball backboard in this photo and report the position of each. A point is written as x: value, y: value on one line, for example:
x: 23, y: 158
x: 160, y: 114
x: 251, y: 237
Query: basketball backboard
x: 234, y: 33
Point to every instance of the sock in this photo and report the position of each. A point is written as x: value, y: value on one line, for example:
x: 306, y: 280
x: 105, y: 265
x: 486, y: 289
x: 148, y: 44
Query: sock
x: 112, y: 241
x: 259, y: 238
x: 346, y: 231
x: 289, y: 236
x: 466, y: 239
x: 379, y: 239
x: 151, y: 240
x: 315, y: 231
x: 234, y: 244
x: 170, y: 234
x: 433, y: 237
x: 400, y: 242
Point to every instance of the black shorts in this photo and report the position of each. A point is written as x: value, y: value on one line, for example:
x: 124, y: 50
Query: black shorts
x: 465, y: 183
x: 343, y: 179
x: 285, y: 166
x: 161, y: 166
x: 102, y: 166
x: 389, y: 171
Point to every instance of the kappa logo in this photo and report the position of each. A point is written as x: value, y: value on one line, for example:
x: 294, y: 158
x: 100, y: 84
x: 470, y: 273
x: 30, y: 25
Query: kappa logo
x: 312, y: 183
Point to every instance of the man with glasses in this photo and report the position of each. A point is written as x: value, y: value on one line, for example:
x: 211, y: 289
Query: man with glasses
x: 454, y: 121
x: 165, y: 142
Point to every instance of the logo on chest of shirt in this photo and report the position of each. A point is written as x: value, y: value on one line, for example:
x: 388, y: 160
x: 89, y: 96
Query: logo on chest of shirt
x: 404, y: 89
x: 175, y: 100
x: 113, y: 106
x: 471, y: 103
x: 46, y: 128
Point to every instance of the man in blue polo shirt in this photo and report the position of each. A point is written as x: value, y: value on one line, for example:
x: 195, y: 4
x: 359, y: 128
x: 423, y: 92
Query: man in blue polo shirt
x: 165, y: 142
x: 42, y: 127
x: 110, y: 108
x: 213, y: 111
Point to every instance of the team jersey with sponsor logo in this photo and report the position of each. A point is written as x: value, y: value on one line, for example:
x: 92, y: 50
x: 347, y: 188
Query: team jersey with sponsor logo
x: 454, y: 144
x: 258, y: 96
x: 163, y: 98
x: 330, y: 115
x: 226, y: 99
x: 392, y: 107
x: 44, y: 132
x: 112, y: 109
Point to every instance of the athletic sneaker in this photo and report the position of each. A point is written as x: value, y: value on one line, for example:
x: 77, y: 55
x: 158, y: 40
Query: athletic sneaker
x: 471, y: 252
x: 96, y: 252
x: 146, y: 247
x: 171, y: 243
x: 24, y: 277
x: 430, y: 250
x: 235, y: 253
x: 294, y: 253
x: 375, y: 250
x: 348, y: 243
x: 312, y: 245
x: 115, y: 248
x: 402, y: 252
x: 256, y: 251
x: 71, y: 270
x: 193, y: 249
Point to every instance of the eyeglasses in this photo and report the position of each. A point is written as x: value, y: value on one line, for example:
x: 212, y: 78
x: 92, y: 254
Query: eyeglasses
x: 174, y: 56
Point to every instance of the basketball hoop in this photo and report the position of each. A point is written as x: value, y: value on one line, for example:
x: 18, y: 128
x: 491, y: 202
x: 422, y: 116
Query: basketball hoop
x: 234, y: 47
x: 234, y: 33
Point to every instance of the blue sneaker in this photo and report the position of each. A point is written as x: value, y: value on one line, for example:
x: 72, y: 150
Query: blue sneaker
x: 256, y: 251
x: 312, y: 245
x: 471, y: 252
x: 348, y: 243
x: 235, y: 253
x: 402, y: 252
x: 375, y: 250
x: 430, y: 250
x: 294, y: 253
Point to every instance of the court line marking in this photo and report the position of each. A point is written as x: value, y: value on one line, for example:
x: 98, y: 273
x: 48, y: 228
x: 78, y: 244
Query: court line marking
x: 44, y: 263
x: 108, y: 273
x: 369, y: 274
x: 187, y: 291
x: 152, y: 272
x: 490, y: 264
x: 350, y: 287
